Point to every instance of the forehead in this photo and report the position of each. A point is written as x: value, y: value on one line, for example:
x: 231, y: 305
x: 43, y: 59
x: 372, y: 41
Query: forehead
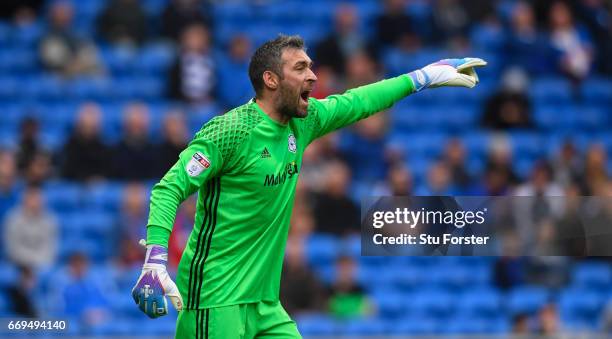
x: 292, y: 56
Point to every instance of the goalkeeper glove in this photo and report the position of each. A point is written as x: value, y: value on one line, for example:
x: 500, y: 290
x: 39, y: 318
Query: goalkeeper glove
x: 154, y: 284
x: 447, y: 72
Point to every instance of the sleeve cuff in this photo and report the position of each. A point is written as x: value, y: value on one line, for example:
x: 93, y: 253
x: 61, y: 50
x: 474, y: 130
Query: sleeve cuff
x: 157, y: 235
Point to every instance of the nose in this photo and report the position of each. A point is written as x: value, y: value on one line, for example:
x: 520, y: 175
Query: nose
x: 311, y: 77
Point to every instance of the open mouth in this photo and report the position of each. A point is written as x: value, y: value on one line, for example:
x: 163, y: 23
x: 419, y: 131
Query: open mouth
x: 305, y: 95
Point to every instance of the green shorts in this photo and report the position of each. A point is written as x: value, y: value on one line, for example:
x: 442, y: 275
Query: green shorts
x: 263, y: 319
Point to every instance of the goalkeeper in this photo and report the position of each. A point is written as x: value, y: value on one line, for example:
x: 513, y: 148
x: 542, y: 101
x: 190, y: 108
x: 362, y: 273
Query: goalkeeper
x: 245, y: 166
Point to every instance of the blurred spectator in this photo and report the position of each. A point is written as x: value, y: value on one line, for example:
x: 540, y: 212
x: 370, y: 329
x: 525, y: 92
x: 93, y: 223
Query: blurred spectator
x: 361, y: 70
x: 520, y: 325
x: 85, y: 156
x: 399, y: 182
x: 123, y: 22
x: 8, y: 186
x: 363, y: 148
x: 174, y: 131
x: 61, y: 50
x: 439, y: 180
x: 17, y: 9
x: 193, y: 76
x: 509, y: 272
x: 598, y: 211
x: 548, y: 318
x: 538, y: 202
x: 454, y: 157
x: 317, y: 156
x: 572, y: 43
x: 595, y: 171
x: 132, y: 223
x: 334, y: 211
x: 234, y: 87
x: 343, y: 42
x: 134, y: 156
x: 21, y: 293
x: 479, y: 10
x: 499, y: 160
x: 183, y: 224
x: 570, y: 228
x: 450, y: 21
x: 509, y: 107
x: 327, y: 82
x: 394, y: 27
x: 525, y: 46
x: 596, y: 16
x: 30, y: 232
x: 39, y: 169
x: 300, y: 290
x: 347, y: 299
x: 487, y: 33
x: 79, y: 294
x: 302, y: 219
x: 180, y: 14
x: 567, y: 165
x: 28, y: 143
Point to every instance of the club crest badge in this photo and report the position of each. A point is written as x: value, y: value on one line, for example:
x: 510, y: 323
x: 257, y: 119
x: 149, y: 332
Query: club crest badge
x: 197, y: 164
x: 292, y: 143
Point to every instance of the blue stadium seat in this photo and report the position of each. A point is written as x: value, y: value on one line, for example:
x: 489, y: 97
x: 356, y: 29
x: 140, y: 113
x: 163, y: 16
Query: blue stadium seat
x: 593, y: 275
x: 459, y: 276
x: 63, y: 196
x: 390, y: 303
x: 104, y: 196
x: 154, y: 59
x: 551, y: 89
x: 8, y: 274
x: 476, y: 325
x: 322, y: 248
x: 367, y: 326
x: 480, y: 301
x: 597, y: 90
x: 527, y: 299
x: 5, y: 305
x: 582, y: 304
x: 416, y: 324
x: 432, y: 301
x: 316, y: 324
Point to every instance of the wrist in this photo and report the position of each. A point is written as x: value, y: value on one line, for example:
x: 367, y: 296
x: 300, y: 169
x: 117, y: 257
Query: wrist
x: 156, y: 255
x: 420, y: 80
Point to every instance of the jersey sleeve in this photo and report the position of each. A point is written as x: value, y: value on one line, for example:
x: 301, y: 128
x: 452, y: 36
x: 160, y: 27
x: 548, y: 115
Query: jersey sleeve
x: 337, y: 111
x: 209, y: 154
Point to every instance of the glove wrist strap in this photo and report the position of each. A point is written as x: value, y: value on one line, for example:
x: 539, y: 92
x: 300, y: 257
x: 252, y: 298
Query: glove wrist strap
x: 156, y: 255
x: 420, y: 79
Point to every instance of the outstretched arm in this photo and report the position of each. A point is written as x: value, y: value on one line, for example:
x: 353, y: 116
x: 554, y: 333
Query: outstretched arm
x: 337, y: 111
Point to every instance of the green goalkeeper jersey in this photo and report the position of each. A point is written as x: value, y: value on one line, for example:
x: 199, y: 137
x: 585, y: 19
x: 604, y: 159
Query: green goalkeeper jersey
x: 245, y: 167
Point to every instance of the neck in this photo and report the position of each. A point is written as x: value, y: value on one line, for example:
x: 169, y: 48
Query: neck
x: 268, y: 107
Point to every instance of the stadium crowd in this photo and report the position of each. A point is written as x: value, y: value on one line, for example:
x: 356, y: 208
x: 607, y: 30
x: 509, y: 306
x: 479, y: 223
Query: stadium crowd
x: 498, y: 144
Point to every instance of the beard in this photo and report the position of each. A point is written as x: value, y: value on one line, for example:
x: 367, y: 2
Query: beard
x: 288, y: 103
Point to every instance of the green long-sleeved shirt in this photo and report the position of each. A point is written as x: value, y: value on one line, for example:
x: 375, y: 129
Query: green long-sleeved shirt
x: 245, y: 167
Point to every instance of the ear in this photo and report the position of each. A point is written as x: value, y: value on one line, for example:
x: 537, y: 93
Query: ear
x: 270, y: 80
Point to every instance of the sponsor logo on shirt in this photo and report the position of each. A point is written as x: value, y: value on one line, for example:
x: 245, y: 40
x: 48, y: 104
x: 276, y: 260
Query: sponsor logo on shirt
x: 197, y: 164
x: 288, y: 172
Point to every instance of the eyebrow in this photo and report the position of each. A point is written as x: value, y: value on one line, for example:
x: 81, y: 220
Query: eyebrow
x: 304, y: 62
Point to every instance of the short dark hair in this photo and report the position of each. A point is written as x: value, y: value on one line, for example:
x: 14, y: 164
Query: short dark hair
x: 268, y: 58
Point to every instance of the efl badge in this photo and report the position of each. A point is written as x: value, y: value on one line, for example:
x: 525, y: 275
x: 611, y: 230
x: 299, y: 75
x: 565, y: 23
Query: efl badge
x: 292, y: 143
x: 197, y: 164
